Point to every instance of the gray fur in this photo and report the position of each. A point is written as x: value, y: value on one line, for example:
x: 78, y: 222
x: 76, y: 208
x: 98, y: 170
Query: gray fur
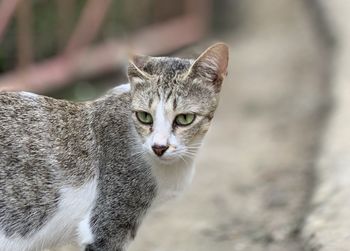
x: 46, y: 144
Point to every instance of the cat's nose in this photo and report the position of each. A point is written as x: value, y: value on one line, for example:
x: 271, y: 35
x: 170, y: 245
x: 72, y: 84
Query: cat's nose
x: 159, y: 149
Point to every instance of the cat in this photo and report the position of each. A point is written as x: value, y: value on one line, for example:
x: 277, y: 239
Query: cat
x: 88, y: 172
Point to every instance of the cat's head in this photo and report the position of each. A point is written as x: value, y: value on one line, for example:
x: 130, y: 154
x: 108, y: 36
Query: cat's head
x: 174, y: 100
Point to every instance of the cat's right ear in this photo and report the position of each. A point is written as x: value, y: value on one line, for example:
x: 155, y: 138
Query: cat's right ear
x: 136, y: 74
x: 211, y: 65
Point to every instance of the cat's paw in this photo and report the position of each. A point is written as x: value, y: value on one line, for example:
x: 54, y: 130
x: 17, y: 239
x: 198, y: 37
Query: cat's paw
x: 92, y: 248
x: 89, y: 248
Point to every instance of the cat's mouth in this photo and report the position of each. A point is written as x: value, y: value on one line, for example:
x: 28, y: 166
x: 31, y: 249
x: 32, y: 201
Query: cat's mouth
x: 169, y: 158
x: 166, y: 158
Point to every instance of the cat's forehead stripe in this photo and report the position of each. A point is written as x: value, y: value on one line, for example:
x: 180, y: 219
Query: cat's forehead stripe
x: 158, y: 93
x: 174, y: 104
x: 150, y: 102
x: 168, y: 95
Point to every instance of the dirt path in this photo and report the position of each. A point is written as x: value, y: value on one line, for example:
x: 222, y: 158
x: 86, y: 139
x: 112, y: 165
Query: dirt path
x: 254, y: 174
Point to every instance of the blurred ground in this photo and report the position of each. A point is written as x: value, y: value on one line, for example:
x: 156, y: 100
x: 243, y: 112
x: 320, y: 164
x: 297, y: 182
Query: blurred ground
x: 255, y: 172
x: 328, y: 224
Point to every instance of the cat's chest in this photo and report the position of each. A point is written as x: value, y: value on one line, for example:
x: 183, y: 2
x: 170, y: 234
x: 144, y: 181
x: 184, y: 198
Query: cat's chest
x: 171, y: 181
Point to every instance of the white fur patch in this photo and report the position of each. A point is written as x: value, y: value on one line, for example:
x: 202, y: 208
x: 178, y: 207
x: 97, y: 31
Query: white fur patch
x: 84, y: 230
x: 172, y: 180
x: 29, y: 95
x: 161, y: 126
x: 61, y: 229
x: 120, y: 89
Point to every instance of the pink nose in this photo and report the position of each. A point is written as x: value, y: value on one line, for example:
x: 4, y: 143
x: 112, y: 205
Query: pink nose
x: 159, y: 150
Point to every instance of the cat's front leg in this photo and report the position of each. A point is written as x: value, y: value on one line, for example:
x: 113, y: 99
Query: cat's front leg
x: 117, y: 241
x: 107, y: 245
x: 92, y: 247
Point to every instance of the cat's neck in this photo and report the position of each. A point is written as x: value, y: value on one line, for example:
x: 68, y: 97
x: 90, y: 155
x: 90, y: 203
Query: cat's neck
x: 172, y: 179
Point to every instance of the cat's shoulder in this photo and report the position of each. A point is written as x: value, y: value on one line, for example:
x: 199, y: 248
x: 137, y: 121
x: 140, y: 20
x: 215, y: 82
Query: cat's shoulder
x: 118, y: 96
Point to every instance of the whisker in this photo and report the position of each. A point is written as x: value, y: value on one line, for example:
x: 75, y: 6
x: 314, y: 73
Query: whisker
x: 183, y: 159
x: 191, y: 153
x: 188, y: 157
x: 195, y: 145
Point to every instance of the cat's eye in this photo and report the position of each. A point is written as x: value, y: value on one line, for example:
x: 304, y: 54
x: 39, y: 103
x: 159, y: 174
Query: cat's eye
x: 184, y: 119
x: 144, y: 117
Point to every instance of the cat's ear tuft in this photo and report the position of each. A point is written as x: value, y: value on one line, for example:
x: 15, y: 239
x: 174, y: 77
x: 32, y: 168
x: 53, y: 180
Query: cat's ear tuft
x: 212, y: 65
x: 136, y: 65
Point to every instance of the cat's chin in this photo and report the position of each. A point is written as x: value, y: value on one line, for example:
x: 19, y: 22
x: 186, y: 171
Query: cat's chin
x: 164, y: 160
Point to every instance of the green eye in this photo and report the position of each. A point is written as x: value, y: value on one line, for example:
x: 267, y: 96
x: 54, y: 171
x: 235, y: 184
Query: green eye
x: 144, y: 117
x: 184, y: 119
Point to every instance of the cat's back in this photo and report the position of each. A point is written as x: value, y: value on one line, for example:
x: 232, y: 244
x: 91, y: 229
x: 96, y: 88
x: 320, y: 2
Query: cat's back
x: 24, y: 110
x: 23, y: 123
x: 37, y: 132
x: 22, y: 107
x: 26, y: 122
x: 16, y: 107
x: 32, y: 129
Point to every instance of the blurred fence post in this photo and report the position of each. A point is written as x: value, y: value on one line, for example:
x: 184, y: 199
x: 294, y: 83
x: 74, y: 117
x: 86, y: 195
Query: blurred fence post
x: 89, y: 24
x: 24, y: 33
x: 65, y: 20
x: 201, y: 9
x: 7, y: 9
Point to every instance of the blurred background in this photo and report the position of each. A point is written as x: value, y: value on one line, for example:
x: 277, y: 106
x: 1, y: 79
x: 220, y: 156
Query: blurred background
x: 76, y: 48
x: 256, y: 172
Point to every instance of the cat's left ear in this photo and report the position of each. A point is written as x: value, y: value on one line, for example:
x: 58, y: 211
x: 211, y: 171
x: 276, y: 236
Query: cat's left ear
x: 136, y: 65
x: 212, y: 65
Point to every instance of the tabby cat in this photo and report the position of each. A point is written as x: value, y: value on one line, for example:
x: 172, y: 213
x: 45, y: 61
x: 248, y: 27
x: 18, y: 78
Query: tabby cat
x: 88, y: 172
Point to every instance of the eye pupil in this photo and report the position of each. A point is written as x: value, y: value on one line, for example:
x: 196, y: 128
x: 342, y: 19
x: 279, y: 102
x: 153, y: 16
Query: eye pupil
x: 184, y: 119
